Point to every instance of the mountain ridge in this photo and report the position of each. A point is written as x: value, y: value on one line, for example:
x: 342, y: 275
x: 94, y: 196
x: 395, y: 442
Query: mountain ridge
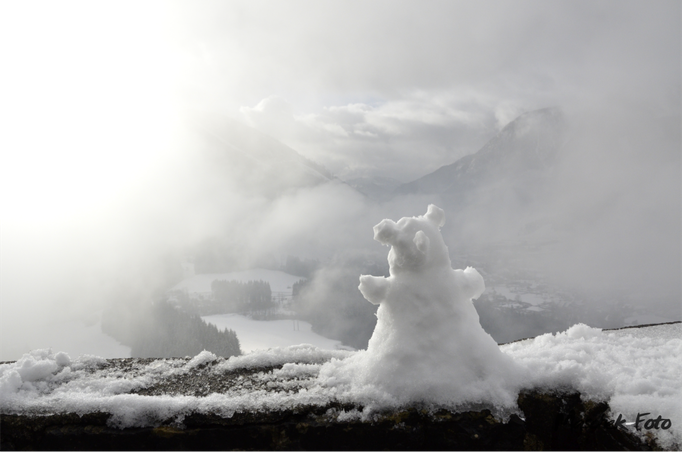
x: 529, y: 143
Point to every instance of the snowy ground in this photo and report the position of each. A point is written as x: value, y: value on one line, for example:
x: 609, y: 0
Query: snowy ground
x: 634, y: 370
x: 259, y: 335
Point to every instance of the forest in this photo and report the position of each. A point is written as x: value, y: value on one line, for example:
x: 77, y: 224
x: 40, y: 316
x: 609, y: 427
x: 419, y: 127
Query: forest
x: 167, y: 332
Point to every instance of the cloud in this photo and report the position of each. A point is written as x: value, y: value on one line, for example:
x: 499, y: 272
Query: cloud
x: 273, y: 115
x: 618, y: 191
x: 404, y: 138
x: 318, y: 53
x: 421, y: 84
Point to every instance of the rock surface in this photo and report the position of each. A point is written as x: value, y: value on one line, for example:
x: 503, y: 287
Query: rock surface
x: 549, y: 422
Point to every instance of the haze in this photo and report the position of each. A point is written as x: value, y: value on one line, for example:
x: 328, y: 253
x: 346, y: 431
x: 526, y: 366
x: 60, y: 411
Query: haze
x: 109, y: 180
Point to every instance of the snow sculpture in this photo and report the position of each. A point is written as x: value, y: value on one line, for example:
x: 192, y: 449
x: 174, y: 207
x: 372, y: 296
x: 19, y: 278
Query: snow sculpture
x: 428, y: 344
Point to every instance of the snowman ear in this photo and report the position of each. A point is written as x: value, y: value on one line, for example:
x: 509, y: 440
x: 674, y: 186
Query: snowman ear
x: 435, y: 215
x: 422, y: 241
x: 385, y: 231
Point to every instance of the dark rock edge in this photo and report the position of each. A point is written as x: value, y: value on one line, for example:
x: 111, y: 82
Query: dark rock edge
x: 552, y: 421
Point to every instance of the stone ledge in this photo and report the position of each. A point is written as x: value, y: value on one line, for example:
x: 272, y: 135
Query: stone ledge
x: 552, y: 422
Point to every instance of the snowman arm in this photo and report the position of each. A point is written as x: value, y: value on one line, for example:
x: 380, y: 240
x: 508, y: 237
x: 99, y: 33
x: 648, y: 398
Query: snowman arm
x: 473, y: 284
x: 373, y: 288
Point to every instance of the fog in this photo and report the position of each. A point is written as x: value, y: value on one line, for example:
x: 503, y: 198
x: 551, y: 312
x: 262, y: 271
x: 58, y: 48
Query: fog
x: 136, y: 134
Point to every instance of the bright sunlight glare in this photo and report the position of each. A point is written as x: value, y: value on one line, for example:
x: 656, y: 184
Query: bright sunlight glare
x: 87, y: 100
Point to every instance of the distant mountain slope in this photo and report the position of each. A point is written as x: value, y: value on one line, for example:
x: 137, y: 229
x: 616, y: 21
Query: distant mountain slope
x: 256, y: 161
x: 217, y: 191
x: 526, y: 147
x: 502, y: 191
x: 377, y: 188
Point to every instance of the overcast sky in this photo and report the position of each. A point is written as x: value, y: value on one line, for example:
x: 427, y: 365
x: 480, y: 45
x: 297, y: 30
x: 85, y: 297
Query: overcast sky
x: 393, y: 88
x: 400, y: 88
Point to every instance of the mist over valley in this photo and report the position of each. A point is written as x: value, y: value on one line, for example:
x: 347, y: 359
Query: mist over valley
x: 226, y: 144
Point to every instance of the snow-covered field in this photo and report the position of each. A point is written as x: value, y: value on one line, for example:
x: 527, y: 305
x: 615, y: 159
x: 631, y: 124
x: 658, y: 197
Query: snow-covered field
x: 259, y: 335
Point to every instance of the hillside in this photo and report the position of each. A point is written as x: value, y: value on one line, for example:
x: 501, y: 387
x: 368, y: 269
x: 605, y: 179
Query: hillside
x: 260, y: 163
x: 377, y: 188
x: 524, y: 152
x: 505, y: 189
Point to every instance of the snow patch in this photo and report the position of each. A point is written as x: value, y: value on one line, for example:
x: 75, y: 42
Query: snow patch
x: 202, y: 358
x: 303, y: 353
x: 263, y: 334
x: 635, y: 370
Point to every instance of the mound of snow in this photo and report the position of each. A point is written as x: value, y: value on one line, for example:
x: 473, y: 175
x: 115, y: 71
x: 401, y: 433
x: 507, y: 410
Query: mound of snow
x: 635, y: 370
x: 31, y: 371
x: 428, y: 344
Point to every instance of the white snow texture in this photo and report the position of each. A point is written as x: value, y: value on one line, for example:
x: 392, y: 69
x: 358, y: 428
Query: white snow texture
x: 428, y: 344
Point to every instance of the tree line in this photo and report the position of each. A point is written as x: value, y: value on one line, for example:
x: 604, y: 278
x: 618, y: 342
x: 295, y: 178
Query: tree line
x: 249, y: 297
x: 237, y: 296
x: 162, y: 331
